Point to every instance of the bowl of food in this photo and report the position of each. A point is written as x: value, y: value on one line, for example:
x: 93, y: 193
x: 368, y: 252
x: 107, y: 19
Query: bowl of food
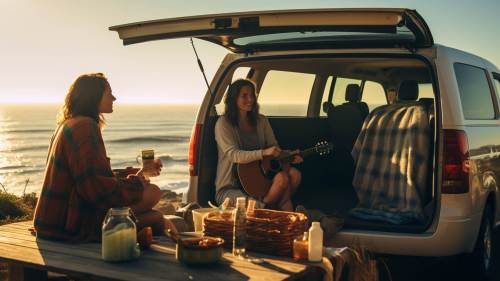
x: 199, y: 250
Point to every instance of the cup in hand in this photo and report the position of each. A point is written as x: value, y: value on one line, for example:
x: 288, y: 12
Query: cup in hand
x: 151, y: 167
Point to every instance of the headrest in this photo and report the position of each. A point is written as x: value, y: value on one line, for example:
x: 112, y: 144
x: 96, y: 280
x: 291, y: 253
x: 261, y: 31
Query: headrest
x: 408, y: 90
x: 327, y: 107
x: 352, y: 93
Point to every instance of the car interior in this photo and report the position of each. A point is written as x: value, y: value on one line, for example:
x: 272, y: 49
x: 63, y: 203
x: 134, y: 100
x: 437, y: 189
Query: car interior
x: 345, y: 94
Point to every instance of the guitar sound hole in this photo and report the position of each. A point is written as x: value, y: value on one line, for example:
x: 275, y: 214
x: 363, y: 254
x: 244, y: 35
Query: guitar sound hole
x: 275, y: 165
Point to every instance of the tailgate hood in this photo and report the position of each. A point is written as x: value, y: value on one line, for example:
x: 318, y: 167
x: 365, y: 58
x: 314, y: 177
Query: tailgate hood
x: 290, y: 29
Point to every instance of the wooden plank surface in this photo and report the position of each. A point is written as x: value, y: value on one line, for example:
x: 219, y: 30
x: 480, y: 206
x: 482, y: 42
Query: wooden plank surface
x: 18, y: 245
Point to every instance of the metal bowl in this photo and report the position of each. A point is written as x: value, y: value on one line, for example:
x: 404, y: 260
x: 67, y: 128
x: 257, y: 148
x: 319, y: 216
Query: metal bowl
x: 199, y: 251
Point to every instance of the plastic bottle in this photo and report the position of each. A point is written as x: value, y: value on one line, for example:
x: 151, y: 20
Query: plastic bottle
x: 239, y: 230
x: 315, y: 246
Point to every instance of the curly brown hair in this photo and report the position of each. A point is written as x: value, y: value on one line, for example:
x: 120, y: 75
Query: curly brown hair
x: 84, y: 97
x: 231, y: 110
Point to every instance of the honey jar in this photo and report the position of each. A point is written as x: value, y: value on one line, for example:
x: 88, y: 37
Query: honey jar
x: 300, y: 248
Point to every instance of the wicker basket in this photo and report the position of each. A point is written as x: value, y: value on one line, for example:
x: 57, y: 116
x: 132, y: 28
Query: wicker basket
x: 268, y: 231
x: 219, y: 224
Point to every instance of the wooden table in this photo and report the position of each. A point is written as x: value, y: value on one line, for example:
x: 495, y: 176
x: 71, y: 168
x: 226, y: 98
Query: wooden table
x: 30, y: 257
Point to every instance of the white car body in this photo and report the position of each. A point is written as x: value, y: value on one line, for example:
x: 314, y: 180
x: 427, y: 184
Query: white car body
x: 457, y: 217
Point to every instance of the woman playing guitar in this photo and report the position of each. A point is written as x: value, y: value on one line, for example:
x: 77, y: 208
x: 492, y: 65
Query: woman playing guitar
x: 243, y: 136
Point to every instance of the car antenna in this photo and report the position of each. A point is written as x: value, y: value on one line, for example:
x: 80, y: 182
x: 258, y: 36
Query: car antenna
x: 200, y: 65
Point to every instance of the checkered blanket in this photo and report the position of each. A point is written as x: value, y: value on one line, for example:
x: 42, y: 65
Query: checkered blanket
x: 391, y: 155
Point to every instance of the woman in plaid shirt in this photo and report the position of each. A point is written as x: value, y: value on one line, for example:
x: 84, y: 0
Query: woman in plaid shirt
x: 79, y: 185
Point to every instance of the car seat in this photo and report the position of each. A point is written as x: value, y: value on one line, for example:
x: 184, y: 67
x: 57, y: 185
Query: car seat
x: 345, y: 120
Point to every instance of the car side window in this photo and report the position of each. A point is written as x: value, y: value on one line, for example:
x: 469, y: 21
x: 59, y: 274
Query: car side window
x: 285, y: 93
x: 425, y: 90
x: 339, y: 89
x: 497, y: 83
x: 373, y: 95
x: 240, y: 73
x: 474, y: 90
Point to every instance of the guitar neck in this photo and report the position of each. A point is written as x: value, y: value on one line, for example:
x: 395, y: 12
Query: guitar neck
x: 303, y: 153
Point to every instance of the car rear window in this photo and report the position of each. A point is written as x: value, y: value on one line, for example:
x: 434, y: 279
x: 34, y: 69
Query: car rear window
x: 402, y: 34
x: 475, y: 93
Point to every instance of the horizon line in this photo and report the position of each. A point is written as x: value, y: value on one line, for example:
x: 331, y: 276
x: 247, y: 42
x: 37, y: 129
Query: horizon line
x: 137, y: 103
x: 121, y: 103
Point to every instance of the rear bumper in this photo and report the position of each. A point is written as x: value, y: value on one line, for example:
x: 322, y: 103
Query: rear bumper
x: 453, y: 235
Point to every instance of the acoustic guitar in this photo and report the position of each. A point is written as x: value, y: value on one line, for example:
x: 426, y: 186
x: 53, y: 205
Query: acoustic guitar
x: 256, y: 177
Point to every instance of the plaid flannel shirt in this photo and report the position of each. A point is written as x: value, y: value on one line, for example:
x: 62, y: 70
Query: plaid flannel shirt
x: 79, y: 185
x: 391, y: 155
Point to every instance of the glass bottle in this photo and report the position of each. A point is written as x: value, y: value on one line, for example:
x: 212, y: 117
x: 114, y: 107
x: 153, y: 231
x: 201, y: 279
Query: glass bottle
x: 239, y: 229
x: 250, y: 207
x: 119, y: 236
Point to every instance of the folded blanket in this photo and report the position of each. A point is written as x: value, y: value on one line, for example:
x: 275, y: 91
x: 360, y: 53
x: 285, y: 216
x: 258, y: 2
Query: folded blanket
x: 391, y: 155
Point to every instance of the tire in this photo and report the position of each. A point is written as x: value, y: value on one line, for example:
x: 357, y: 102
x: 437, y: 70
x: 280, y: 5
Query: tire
x: 483, y: 261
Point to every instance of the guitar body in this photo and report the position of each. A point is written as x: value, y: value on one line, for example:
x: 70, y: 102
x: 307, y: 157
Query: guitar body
x: 256, y: 177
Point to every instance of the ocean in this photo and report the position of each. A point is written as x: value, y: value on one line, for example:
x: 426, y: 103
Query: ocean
x: 26, y: 130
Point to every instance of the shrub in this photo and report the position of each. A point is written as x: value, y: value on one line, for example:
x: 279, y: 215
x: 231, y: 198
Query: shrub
x: 11, y: 207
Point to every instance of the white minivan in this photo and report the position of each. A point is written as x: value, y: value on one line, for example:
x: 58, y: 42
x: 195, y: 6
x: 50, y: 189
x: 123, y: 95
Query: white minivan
x: 307, y: 64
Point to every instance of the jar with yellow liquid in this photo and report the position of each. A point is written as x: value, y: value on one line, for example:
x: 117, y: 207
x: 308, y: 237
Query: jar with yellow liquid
x: 119, y: 236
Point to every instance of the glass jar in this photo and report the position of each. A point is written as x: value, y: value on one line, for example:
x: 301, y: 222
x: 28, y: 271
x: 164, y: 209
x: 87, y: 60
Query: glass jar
x: 119, y: 236
x: 300, y: 246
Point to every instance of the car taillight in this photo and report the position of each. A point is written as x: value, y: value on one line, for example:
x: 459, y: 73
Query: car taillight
x: 456, y: 163
x: 193, y: 150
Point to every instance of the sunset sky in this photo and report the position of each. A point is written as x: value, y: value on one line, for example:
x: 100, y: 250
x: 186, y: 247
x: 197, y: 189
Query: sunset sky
x: 47, y: 44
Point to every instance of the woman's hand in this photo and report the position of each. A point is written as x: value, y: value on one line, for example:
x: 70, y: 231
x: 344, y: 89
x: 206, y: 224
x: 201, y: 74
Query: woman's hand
x: 143, y: 179
x: 140, y: 176
x: 297, y: 159
x: 151, y: 169
x: 123, y: 173
x: 157, y: 165
x: 273, y: 151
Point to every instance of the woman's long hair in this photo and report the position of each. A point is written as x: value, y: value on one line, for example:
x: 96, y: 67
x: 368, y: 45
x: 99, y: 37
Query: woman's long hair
x: 231, y: 110
x: 84, y: 97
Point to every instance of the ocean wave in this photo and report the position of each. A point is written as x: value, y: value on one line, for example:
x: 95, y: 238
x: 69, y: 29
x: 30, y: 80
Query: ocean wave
x: 169, y: 159
x: 30, y: 171
x: 165, y: 159
x: 12, y: 167
x: 27, y: 148
x: 175, y: 185
x: 27, y: 131
x: 21, y: 170
x: 157, y: 139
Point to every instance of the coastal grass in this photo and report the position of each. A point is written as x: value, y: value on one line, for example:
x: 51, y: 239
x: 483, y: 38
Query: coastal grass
x: 16, y: 208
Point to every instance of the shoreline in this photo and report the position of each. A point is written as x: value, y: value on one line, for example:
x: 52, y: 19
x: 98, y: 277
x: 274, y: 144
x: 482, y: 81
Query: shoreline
x: 14, y: 208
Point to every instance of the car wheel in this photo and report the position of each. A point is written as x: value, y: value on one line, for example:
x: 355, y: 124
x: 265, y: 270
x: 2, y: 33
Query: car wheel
x: 483, y: 261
